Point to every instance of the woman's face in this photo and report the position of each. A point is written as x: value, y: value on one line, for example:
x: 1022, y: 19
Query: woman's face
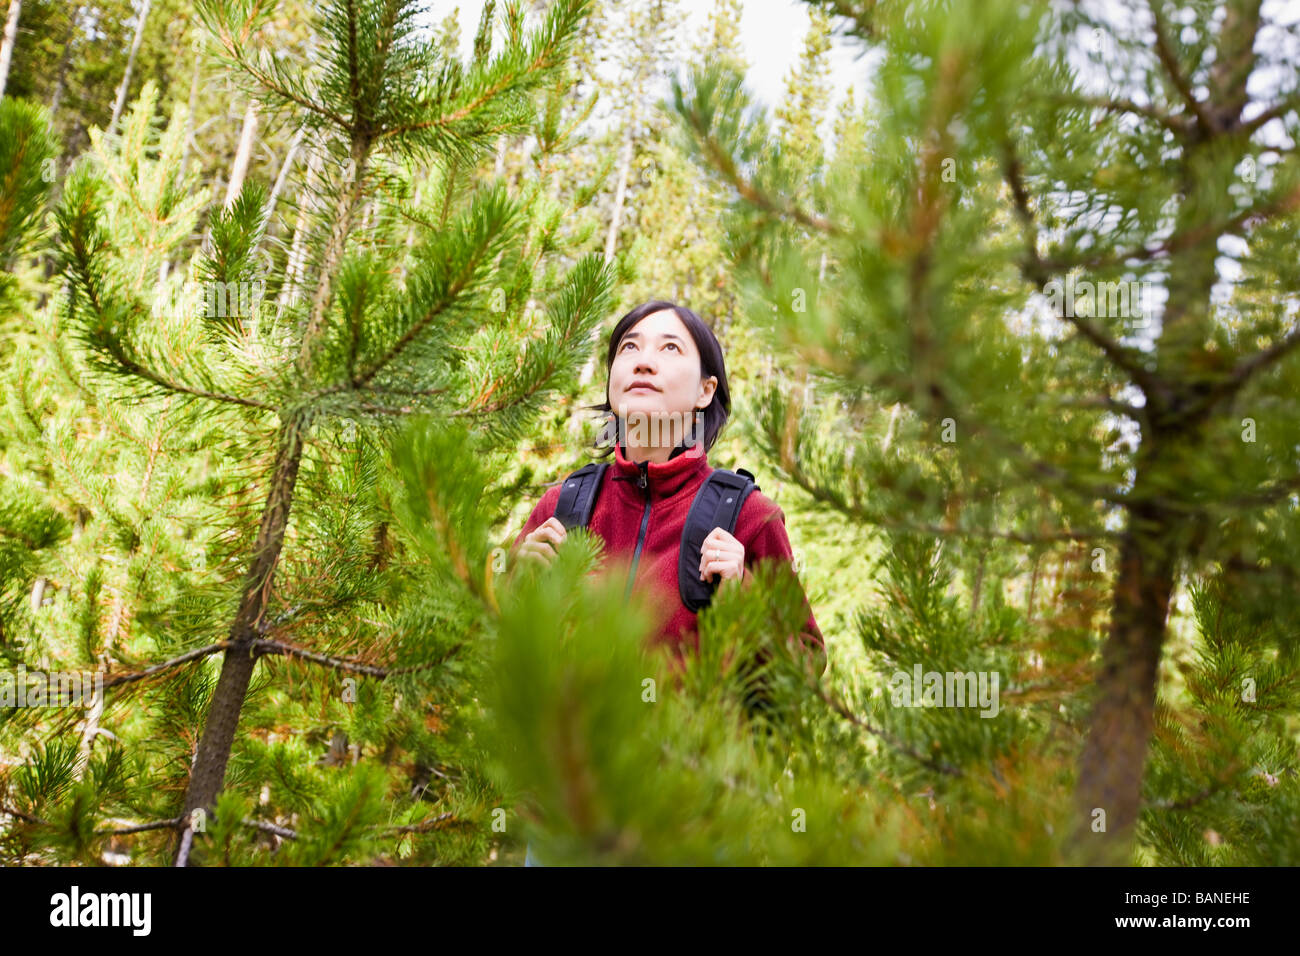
x: 659, y: 351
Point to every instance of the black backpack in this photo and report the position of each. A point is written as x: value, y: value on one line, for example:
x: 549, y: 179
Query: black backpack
x: 717, y: 504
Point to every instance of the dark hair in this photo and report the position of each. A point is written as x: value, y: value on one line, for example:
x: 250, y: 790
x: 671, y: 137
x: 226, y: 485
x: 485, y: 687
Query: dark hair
x: 711, y: 363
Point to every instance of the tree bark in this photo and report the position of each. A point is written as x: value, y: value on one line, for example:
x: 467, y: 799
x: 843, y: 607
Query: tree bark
x: 1119, y: 728
x: 7, y: 45
x: 298, y: 249
x: 239, y: 168
x: 130, y: 65
x: 61, y: 74
x: 237, y: 665
x: 620, y: 195
x: 283, y: 176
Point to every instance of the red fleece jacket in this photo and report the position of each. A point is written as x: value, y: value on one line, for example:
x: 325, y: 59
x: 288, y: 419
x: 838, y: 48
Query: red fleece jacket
x: 671, y: 487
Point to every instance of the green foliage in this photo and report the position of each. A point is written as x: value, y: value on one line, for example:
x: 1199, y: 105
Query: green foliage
x: 302, y: 426
x: 27, y: 154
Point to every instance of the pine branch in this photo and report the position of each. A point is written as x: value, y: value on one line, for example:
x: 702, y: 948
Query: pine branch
x: 721, y: 160
x: 1176, y: 124
x: 424, y: 826
x: 273, y: 75
x: 1279, y: 109
x: 938, y: 766
x: 167, y: 665
x: 584, y: 298
x: 262, y: 646
x: 26, y: 818
x: 1165, y: 55
x: 283, y: 833
x: 131, y: 366
x: 338, y: 663
x: 168, y: 824
x: 1242, y: 373
x: 1039, y: 274
x: 552, y: 47
x: 1179, y: 241
x: 485, y: 228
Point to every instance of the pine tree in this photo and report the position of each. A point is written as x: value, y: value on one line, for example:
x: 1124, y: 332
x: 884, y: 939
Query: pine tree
x: 301, y: 399
x: 1005, y: 178
x: 807, y: 99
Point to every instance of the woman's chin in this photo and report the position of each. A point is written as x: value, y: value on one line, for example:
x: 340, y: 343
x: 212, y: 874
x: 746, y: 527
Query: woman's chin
x: 631, y: 410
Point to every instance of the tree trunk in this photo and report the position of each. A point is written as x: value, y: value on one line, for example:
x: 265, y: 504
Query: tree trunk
x: 1119, y: 728
x: 620, y: 195
x: 239, y: 168
x: 7, y: 46
x: 130, y: 65
x: 61, y: 74
x: 189, y: 115
x: 237, y: 666
x: 283, y: 175
x: 298, y: 249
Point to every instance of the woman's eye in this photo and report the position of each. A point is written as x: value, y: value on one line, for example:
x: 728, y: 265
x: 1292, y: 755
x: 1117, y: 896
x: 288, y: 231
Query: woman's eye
x: 675, y: 345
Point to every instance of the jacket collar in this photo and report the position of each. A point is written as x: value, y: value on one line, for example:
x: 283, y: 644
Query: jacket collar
x: 663, y: 479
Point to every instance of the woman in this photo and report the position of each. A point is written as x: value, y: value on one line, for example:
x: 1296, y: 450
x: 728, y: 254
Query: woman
x: 666, y: 391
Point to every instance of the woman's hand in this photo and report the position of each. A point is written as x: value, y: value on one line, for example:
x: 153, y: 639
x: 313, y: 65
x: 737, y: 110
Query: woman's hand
x: 540, y: 543
x: 722, y: 555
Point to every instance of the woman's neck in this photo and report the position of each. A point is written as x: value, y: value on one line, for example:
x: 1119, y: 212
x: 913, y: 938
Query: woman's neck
x: 654, y: 453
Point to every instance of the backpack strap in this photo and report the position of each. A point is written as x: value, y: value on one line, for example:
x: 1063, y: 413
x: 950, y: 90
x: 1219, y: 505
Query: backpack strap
x: 717, y: 505
x: 578, y: 495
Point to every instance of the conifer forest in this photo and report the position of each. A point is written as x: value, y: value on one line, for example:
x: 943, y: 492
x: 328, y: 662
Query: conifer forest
x: 305, y: 306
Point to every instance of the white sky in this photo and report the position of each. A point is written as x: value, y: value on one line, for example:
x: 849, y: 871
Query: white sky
x: 771, y: 32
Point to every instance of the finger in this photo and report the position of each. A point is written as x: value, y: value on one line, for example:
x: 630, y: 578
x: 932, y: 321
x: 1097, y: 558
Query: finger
x: 546, y: 533
x: 715, y: 553
x: 557, y: 525
x: 724, y: 567
x: 538, y: 550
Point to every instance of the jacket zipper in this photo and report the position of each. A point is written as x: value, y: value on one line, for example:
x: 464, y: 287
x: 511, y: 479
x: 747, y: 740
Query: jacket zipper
x: 645, y: 522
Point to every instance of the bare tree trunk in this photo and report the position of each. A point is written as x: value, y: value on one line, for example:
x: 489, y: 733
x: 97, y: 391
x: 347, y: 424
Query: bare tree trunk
x: 38, y: 593
x: 88, y: 735
x: 283, y: 175
x: 61, y: 74
x: 889, y: 432
x: 615, y: 224
x: 189, y: 115
x: 130, y: 65
x: 1033, y: 588
x: 165, y: 268
x: 7, y: 46
x: 978, y: 585
x: 239, y: 168
x: 620, y: 195
x: 298, y: 250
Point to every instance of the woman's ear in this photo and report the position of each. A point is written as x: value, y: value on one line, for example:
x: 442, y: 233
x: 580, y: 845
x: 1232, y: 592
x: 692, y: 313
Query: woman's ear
x: 707, y: 387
